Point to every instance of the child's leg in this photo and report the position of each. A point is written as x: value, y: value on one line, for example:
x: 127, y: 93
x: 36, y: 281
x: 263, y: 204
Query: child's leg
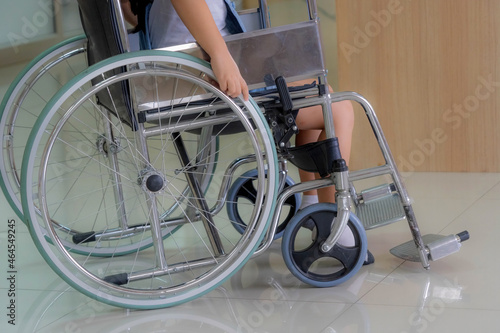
x: 311, y: 129
x: 304, y: 137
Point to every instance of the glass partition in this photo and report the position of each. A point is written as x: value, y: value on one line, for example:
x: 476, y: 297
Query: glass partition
x: 28, y: 27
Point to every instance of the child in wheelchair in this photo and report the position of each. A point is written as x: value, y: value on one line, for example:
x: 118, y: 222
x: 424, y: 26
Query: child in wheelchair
x: 173, y: 22
x: 119, y: 185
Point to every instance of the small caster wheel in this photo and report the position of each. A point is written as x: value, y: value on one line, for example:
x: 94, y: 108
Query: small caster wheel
x: 242, y: 195
x: 301, y: 247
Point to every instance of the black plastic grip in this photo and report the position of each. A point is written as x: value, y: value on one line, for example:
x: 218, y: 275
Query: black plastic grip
x: 285, y: 98
x: 85, y: 237
x: 118, y: 279
x: 464, y: 235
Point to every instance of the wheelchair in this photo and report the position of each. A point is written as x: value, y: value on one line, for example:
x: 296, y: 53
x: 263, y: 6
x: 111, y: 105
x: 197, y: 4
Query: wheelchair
x: 144, y: 186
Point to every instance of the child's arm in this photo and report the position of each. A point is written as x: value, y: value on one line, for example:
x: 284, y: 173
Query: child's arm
x: 198, y: 19
x: 127, y: 13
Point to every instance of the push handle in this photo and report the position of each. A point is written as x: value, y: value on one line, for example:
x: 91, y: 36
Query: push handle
x: 264, y: 12
x: 313, y: 9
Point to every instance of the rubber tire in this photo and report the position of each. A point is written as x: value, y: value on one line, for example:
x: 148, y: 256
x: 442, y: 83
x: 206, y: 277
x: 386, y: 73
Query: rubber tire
x: 325, y: 210
x: 232, y: 203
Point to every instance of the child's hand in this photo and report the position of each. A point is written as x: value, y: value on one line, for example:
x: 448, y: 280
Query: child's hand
x: 198, y: 19
x: 228, y: 75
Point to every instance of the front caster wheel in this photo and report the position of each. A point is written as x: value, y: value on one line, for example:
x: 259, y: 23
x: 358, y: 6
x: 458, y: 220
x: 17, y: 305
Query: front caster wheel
x: 241, y: 198
x: 302, y: 241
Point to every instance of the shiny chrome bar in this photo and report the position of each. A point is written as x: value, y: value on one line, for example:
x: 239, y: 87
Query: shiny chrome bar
x: 265, y: 16
x: 284, y: 195
x: 343, y: 200
x: 171, y: 110
x: 122, y: 27
x: 226, y: 181
x: 313, y: 9
x: 174, y: 268
x: 115, y: 176
x: 379, y: 134
x: 118, y: 234
x: 392, y: 168
x: 370, y: 172
x: 189, y: 125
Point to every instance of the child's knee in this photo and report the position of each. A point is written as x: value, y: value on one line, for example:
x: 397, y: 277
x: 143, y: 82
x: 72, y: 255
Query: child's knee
x: 343, y: 112
x: 344, y: 106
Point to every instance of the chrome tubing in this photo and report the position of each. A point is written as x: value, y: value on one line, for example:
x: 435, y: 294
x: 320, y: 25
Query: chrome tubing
x: 288, y: 192
x: 313, y: 9
x: 343, y: 199
x: 265, y: 16
x: 392, y: 168
x: 226, y: 181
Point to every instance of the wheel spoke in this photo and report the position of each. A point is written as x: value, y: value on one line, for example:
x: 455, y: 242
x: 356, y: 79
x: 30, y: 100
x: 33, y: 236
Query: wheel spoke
x: 248, y: 191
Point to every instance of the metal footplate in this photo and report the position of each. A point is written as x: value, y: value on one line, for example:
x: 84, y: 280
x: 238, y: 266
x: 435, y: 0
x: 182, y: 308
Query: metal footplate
x: 381, y: 209
x: 436, y: 247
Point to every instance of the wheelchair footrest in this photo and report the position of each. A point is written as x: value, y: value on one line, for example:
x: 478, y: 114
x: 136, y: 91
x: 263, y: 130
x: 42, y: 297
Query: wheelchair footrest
x: 437, y: 247
x: 380, y: 212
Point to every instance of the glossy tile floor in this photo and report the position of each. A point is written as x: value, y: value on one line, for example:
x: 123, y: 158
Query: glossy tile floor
x: 459, y: 294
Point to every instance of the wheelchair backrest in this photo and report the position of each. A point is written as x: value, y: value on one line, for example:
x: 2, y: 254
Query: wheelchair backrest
x: 293, y: 51
x: 105, y: 28
x: 102, y: 29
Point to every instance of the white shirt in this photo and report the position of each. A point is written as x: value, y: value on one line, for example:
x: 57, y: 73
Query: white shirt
x: 167, y: 29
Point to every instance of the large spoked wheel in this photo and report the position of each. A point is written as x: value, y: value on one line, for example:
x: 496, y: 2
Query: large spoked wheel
x: 302, y: 241
x: 24, y: 101
x: 241, y: 198
x: 123, y: 184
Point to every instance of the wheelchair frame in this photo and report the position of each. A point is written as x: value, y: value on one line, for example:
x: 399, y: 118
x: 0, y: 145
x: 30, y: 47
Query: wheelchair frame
x: 62, y: 246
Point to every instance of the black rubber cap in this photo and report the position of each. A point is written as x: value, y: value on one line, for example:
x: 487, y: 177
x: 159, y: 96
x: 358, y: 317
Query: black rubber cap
x: 154, y: 183
x: 85, y: 237
x: 464, y: 235
x: 118, y: 279
x: 340, y: 165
